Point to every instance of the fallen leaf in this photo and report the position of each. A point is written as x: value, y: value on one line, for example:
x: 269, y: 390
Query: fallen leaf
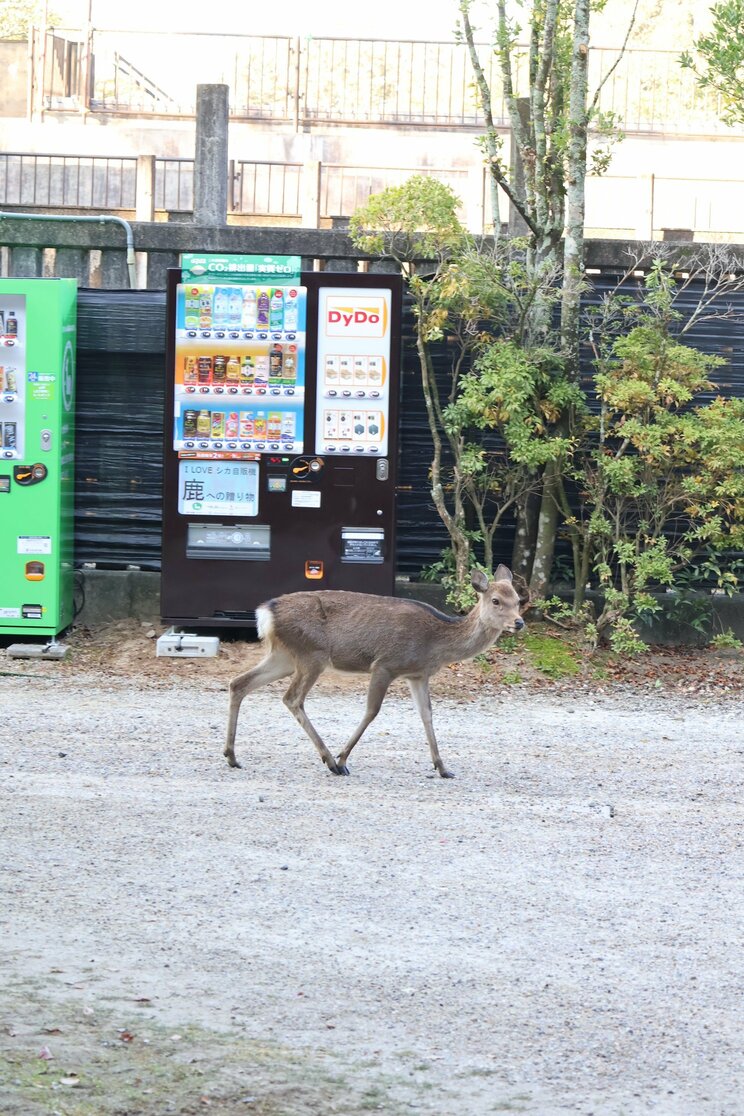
x: 126, y: 1036
x: 45, y: 1053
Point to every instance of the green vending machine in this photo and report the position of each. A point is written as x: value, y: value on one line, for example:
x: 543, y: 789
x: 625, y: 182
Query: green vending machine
x: 37, y: 395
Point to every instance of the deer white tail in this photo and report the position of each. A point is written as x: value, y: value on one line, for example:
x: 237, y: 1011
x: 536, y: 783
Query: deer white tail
x: 264, y: 622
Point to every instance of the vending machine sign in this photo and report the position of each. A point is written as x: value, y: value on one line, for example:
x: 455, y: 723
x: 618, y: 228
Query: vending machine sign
x: 240, y: 269
x: 239, y: 369
x: 221, y: 487
x: 353, y: 399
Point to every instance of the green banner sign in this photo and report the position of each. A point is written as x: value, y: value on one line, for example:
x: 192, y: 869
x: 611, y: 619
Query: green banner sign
x: 240, y: 269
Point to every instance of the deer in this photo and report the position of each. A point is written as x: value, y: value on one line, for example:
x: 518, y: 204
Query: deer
x: 305, y: 633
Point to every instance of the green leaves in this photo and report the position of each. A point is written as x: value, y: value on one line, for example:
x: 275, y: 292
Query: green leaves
x: 719, y: 61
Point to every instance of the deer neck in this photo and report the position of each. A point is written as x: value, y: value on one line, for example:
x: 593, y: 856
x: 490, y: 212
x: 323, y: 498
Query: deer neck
x: 470, y: 636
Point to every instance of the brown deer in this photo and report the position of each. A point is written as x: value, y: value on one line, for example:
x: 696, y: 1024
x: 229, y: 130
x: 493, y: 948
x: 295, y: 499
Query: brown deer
x: 386, y: 637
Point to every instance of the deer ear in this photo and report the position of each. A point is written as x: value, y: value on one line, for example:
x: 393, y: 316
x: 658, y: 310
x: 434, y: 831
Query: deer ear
x: 479, y: 581
x: 502, y: 574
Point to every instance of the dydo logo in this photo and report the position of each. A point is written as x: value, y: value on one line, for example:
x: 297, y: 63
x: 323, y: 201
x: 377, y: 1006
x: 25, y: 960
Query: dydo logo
x: 356, y: 316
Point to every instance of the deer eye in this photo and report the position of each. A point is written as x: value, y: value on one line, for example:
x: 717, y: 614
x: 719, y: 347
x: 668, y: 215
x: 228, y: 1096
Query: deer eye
x: 496, y: 601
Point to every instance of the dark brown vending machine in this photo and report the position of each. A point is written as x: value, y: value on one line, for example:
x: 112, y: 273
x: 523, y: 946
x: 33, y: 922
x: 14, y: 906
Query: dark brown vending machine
x: 281, y: 429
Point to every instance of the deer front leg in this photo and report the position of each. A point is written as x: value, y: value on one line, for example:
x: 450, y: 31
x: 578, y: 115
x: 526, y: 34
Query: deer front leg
x: 274, y: 666
x: 420, y: 692
x: 378, y: 687
x: 303, y: 681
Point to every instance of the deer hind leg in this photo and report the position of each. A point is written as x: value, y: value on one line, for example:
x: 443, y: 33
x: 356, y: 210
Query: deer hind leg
x: 278, y: 664
x: 420, y: 692
x: 304, y: 679
x: 378, y: 687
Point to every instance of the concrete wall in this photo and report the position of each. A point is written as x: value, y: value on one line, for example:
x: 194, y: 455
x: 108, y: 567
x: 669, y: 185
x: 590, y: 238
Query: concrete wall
x: 14, y: 70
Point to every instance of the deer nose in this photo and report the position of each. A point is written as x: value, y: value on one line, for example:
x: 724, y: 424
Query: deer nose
x: 518, y: 624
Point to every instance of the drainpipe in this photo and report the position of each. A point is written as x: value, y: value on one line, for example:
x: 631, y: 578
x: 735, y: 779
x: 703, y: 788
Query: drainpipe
x: 85, y: 220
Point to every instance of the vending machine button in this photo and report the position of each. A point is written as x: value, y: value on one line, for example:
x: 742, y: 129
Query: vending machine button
x: 245, y: 445
x: 382, y: 471
x: 330, y: 449
x: 46, y: 439
x: 274, y: 445
x: 276, y: 337
x: 189, y: 445
x: 260, y: 445
x: 190, y: 389
x: 345, y: 449
x: 220, y: 333
x: 263, y: 336
x: 204, y: 391
x: 232, y: 445
x: 234, y: 333
x: 260, y: 391
x: 291, y: 336
x: 276, y: 391
x: 373, y: 449
x: 206, y: 333
x: 191, y: 333
x: 346, y: 394
x: 248, y: 336
x: 233, y: 391
x: 289, y: 445
x: 204, y: 445
x: 289, y: 391
x: 361, y: 394
x: 375, y: 394
x: 219, y: 391
x: 359, y: 449
x: 247, y: 391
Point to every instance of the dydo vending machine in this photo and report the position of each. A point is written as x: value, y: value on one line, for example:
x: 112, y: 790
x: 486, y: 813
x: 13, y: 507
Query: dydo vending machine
x: 37, y: 386
x: 281, y: 435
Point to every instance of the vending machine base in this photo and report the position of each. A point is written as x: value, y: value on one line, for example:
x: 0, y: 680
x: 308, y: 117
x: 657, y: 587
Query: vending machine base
x: 50, y: 650
x: 186, y: 645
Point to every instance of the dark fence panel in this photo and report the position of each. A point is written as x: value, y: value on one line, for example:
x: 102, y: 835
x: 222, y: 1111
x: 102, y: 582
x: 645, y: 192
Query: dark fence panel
x: 119, y: 428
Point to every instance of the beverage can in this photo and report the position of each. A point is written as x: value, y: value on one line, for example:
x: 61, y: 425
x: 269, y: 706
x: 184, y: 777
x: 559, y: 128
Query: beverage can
x: 249, y: 314
x: 292, y: 310
x: 9, y: 435
x: 289, y: 370
x: 276, y: 359
x: 231, y: 425
x: 204, y: 424
x: 263, y: 306
x: 219, y: 370
x: 262, y: 369
x: 190, y: 373
x: 247, y: 371
x: 276, y: 309
x: 233, y: 370
x: 204, y: 369
x: 218, y: 424
x: 274, y: 426
x: 246, y: 424
x: 259, y: 425
x: 190, y: 421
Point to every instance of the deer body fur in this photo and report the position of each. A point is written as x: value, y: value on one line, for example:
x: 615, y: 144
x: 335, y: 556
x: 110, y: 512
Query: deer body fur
x: 386, y: 637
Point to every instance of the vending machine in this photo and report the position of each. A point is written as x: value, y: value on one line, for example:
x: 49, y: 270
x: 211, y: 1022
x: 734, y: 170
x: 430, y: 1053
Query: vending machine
x: 281, y: 435
x: 37, y: 389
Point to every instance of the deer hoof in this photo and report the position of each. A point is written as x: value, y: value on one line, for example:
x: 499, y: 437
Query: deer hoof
x: 445, y: 774
x: 232, y: 762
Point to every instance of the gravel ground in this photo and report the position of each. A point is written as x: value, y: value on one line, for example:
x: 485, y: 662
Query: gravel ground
x: 557, y: 930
